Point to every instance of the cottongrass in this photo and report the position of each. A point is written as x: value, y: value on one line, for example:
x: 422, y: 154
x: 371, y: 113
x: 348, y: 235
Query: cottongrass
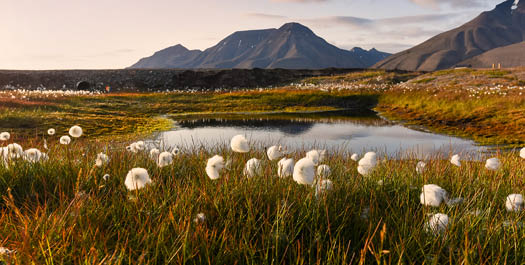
x: 239, y: 144
x: 214, y: 167
x: 304, y: 171
x: 285, y: 167
x: 65, y: 140
x: 137, y: 178
x: 4, y: 136
x: 284, y: 220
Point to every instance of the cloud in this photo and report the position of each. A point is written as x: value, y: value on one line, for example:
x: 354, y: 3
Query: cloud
x: 454, y: 3
x: 266, y: 16
x: 299, y: 1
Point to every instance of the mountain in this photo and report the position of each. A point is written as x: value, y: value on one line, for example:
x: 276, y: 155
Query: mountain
x: 502, y: 26
x: 508, y: 56
x: 292, y: 46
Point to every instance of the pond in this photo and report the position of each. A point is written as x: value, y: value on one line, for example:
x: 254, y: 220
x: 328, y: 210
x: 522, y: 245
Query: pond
x: 344, y: 131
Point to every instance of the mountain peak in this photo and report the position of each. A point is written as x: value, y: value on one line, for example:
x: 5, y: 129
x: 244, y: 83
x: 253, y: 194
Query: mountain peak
x: 295, y: 27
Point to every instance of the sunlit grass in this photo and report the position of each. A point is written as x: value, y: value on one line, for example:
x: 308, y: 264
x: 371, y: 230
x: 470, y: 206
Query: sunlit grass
x: 63, y: 210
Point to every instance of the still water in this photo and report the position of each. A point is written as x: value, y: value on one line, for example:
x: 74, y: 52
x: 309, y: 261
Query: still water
x: 338, y: 131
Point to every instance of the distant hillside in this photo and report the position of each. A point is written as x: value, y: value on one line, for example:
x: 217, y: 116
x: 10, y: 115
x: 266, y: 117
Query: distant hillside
x: 508, y: 56
x: 503, y: 26
x: 292, y: 46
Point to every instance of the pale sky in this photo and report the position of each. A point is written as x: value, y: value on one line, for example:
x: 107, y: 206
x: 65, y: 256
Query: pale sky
x: 108, y: 34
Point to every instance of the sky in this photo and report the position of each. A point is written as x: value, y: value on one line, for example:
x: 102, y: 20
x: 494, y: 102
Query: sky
x: 112, y: 34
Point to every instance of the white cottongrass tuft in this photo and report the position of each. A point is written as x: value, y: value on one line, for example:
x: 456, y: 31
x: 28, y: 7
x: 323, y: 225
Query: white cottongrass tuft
x: 285, y: 167
x: 493, y: 164
x: 455, y: 160
x: 274, y: 152
x: 433, y: 195
x: 14, y: 151
x: 32, y: 155
x: 522, y: 153
x: 102, y: 159
x: 75, y: 131
x: 4, y: 155
x: 200, y: 218
x: 239, y: 144
x: 367, y: 163
x: 253, y: 168
x: 105, y: 177
x: 214, y: 166
x: 51, y: 131
x: 437, y: 223
x: 154, y: 154
x: 136, y: 147
x: 4, y: 136
x: 354, y: 157
x: 323, y: 186
x: 165, y: 159
x: 137, y: 178
x: 420, y: 167
x: 314, y: 156
x: 514, y: 203
x: 65, y: 140
x: 304, y: 171
x: 323, y: 171
x: 6, y: 251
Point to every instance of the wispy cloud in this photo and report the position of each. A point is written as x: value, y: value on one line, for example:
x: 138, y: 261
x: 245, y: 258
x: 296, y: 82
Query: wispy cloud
x: 267, y: 16
x: 299, y: 1
x: 391, y: 34
x: 436, y: 4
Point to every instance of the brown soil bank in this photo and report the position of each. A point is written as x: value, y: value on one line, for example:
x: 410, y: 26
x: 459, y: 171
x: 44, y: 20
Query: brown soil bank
x: 154, y: 80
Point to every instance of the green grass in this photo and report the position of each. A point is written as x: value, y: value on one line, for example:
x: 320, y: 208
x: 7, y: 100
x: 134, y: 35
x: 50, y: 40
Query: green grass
x: 62, y: 212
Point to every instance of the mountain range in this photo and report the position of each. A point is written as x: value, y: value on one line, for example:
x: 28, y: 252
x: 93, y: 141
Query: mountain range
x: 494, y: 37
x: 292, y: 46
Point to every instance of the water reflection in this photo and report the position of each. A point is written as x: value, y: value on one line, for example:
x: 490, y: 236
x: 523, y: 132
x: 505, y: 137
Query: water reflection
x: 343, y: 131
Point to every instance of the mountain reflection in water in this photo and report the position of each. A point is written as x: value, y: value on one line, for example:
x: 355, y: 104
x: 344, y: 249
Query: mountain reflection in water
x: 343, y: 131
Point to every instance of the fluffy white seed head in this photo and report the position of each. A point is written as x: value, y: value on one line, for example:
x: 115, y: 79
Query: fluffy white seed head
x: 522, y: 153
x: 4, y: 136
x: 101, y: 160
x: 51, y: 131
x: 285, y: 167
x: 324, y: 171
x: 354, y: 157
x: 137, y: 178
x: 200, y: 218
x: 420, y: 167
x: 323, y: 186
x: 105, y: 177
x: 314, y: 156
x: 65, y: 140
x: 165, y: 159
x: 433, y: 195
x: 75, y: 131
x: 253, y: 168
x: 15, y: 151
x: 514, y: 203
x: 154, y: 154
x: 367, y: 164
x: 274, y: 152
x: 493, y: 164
x: 437, y: 223
x: 214, y: 166
x: 304, y: 171
x: 239, y: 144
x: 32, y: 155
x: 455, y: 160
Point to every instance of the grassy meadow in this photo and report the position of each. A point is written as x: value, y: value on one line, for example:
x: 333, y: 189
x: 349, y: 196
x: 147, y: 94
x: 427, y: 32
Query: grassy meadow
x: 62, y: 210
